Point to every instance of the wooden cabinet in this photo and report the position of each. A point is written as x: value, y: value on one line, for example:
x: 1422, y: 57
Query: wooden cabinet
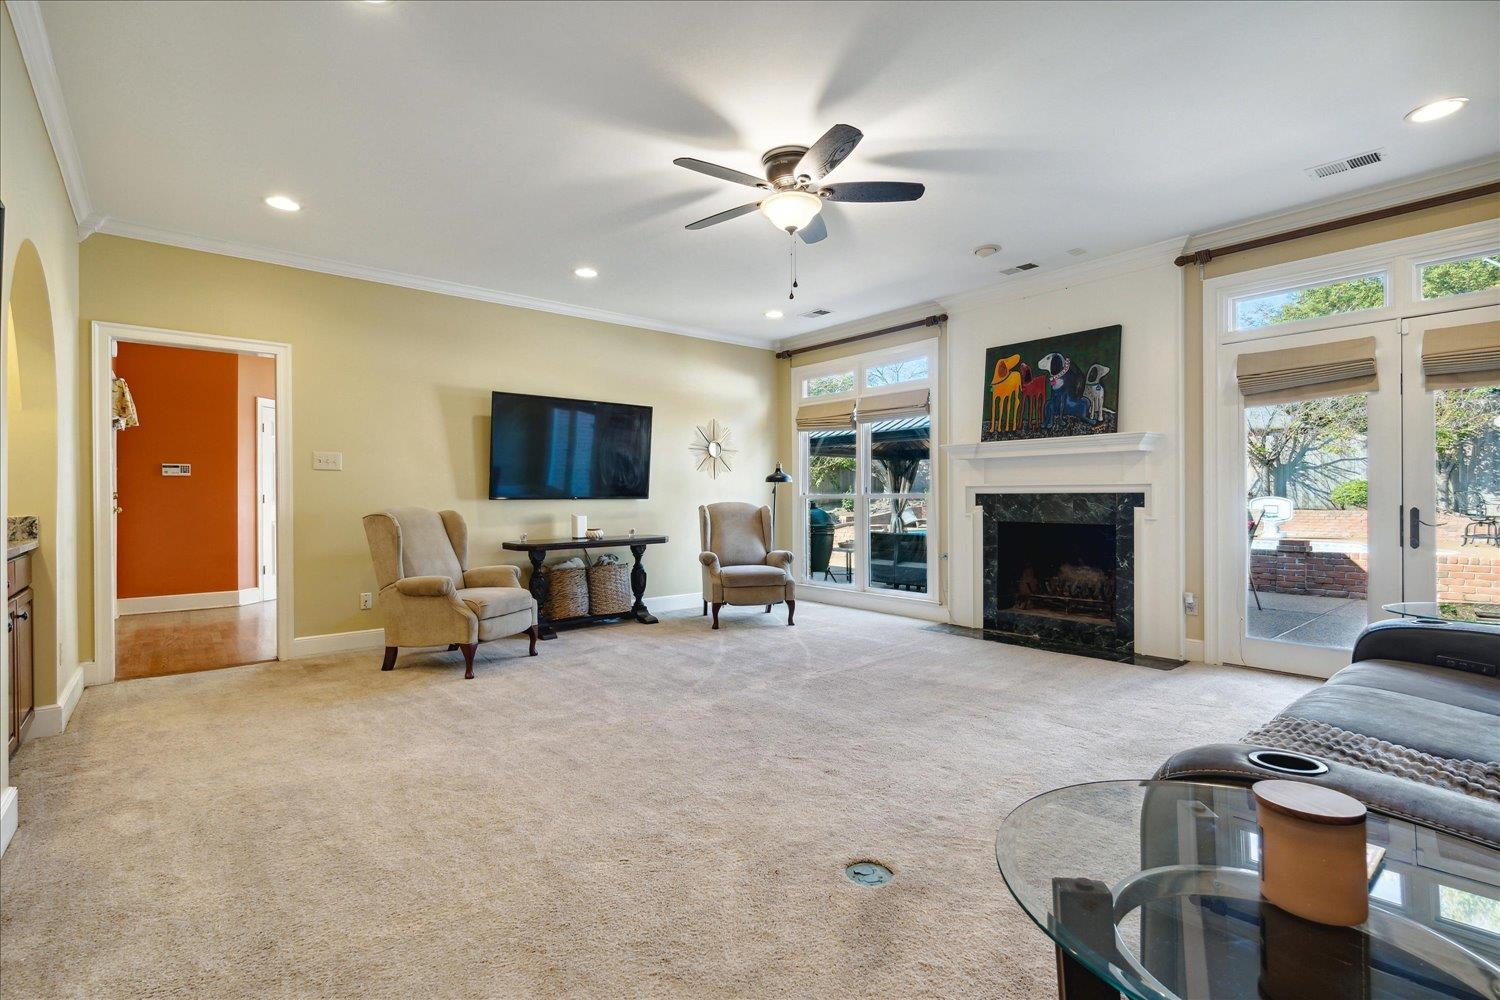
x: 19, y: 635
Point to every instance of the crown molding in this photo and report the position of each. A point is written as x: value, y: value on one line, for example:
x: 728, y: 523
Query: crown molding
x: 854, y: 327
x: 1370, y: 200
x: 1026, y: 284
x: 304, y: 262
x: 36, y: 53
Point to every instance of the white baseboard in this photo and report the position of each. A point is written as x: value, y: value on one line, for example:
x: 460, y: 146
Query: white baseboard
x: 867, y: 601
x: 374, y: 638
x: 93, y: 675
x: 188, y: 602
x: 10, y: 815
x: 337, y: 642
x: 675, y: 602
x: 51, y: 720
x: 1192, y: 650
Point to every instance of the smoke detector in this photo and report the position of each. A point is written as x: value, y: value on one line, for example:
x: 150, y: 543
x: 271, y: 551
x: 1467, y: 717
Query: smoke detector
x: 1347, y: 164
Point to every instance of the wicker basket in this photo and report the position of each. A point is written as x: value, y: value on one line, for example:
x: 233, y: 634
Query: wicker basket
x: 567, y: 593
x: 609, y: 589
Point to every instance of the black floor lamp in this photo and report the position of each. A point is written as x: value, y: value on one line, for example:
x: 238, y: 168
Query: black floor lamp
x: 776, y: 479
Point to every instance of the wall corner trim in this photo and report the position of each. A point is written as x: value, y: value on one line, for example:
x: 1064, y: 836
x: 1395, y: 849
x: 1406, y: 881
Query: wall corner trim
x: 36, y: 53
x: 10, y: 815
x: 1192, y: 650
x: 52, y: 720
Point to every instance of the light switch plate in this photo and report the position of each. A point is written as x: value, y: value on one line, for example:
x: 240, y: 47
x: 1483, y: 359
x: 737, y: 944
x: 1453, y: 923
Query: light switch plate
x: 328, y: 461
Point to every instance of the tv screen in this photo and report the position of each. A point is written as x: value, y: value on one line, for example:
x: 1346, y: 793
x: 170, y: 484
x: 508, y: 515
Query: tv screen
x: 546, y: 448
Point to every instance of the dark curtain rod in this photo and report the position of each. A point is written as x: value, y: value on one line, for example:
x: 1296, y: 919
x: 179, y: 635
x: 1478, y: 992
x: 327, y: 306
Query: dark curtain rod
x: 1201, y: 257
x: 928, y: 321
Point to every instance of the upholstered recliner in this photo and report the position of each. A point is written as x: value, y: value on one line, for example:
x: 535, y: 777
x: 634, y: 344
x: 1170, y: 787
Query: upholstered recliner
x: 429, y: 596
x: 739, y: 566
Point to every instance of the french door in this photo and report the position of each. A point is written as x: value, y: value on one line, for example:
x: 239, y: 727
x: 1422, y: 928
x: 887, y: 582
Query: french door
x: 1355, y: 495
x: 1450, y: 468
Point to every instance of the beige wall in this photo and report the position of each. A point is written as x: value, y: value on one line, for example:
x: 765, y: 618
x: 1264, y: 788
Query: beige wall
x: 400, y: 380
x: 1445, y: 217
x: 37, y: 214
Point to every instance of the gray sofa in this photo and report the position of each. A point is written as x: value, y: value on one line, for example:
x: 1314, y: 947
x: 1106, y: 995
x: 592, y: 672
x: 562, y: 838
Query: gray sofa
x: 1411, y: 728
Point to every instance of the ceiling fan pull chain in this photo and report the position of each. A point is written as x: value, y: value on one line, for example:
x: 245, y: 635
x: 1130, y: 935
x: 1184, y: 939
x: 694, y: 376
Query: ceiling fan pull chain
x: 792, y: 264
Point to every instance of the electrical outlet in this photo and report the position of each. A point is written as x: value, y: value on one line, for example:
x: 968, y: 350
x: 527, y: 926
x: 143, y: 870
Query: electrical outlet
x: 1190, y: 603
x: 328, y: 461
x: 366, y: 602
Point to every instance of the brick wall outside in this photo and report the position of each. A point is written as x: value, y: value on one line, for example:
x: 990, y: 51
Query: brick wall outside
x: 1293, y: 568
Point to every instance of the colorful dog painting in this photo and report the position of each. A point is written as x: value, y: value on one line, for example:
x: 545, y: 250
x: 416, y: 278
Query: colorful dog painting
x: 1053, y: 387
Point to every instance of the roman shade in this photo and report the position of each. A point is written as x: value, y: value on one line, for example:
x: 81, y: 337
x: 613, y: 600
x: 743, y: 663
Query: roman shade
x: 1459, y: 357
x: 1299, y: 373
x: 830, y: 416
x: 895, y: 405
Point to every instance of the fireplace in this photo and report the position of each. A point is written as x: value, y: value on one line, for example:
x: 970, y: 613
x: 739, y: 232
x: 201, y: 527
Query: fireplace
x: 1059, y: 571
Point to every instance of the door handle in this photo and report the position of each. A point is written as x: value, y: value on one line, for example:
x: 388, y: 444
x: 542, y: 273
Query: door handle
x: 1416, y: 527
x: 22, y: 616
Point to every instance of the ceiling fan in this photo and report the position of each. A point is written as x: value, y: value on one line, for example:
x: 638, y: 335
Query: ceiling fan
x: 793, y: 178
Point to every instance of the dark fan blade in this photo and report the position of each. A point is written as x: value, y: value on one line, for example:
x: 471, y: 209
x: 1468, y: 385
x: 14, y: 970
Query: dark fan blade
x: 733, y: 213
x: 828, y: 152
x: 722, y: 173
x: 814, y: 230
x: 874, y: 191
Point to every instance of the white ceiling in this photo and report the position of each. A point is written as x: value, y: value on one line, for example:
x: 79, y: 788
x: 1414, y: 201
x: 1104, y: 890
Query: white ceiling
x: 501, y: 145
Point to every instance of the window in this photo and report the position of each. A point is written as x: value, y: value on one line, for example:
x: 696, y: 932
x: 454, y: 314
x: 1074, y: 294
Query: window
x: 1440, y: 279
x: 828, y: 385
x: 896, y: 372
x: 868, y: 486
x: 1288, y: 305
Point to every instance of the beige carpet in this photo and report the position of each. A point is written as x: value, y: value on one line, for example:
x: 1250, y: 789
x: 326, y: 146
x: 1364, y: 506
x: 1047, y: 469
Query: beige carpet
x: 639, y: 811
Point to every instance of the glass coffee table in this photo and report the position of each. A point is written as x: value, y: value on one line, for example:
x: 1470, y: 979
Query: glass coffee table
x: 1446, y: 611
x: 1151, y: 889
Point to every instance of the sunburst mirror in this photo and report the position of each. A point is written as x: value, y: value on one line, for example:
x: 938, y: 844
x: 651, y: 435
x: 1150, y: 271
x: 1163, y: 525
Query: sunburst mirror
x: 712, y: 448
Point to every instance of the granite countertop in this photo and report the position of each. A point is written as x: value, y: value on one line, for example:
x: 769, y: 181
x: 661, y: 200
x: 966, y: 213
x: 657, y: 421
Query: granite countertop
x: 22, y: 535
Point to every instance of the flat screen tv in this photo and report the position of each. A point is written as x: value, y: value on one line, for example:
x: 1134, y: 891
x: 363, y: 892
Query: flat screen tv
x: 546, y: 448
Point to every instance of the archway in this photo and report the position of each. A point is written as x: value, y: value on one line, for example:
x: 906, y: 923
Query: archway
x: 31, y: 449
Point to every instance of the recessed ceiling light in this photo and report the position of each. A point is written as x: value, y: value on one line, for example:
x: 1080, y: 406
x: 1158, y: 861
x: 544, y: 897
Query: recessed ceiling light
x: 585, y: 272
x: 282, y: 203
x: 987, y: 250
x: 773, y: 314
x: 1436, y: 109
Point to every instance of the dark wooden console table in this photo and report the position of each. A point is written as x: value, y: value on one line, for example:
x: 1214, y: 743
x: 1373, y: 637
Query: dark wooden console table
x: 536, y: 550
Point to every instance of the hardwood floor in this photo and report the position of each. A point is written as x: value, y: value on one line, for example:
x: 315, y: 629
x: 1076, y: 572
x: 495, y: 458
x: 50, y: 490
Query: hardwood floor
x: 182, y: 642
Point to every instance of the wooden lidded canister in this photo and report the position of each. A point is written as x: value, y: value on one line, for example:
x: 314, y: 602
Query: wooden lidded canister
x: 1312, y: 852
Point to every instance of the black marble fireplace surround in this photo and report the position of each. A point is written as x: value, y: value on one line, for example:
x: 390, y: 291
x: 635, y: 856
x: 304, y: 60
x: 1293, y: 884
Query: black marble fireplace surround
x: 1059, y: 571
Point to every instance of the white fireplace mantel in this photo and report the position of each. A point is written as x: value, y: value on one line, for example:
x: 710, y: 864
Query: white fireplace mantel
x: 1055, y: 447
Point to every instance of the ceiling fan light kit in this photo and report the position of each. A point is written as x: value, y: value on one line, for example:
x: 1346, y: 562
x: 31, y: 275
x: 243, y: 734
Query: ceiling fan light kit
x: 793, y: 176
x: 791, y: 210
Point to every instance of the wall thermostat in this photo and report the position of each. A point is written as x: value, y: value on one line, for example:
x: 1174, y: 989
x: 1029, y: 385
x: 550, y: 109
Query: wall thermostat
x: 176, y: 469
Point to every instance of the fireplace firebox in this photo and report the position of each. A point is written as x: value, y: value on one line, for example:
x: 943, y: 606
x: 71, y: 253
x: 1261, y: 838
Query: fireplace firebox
x: 1059, y: 571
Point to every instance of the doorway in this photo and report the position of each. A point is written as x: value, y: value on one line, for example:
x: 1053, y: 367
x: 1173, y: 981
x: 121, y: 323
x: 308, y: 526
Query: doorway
x: 191, y: 481
x: 1356, y: 465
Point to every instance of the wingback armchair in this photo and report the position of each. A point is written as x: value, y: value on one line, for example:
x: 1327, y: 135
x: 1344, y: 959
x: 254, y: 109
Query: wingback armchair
x: 739, y: 566
x: 430, y: 596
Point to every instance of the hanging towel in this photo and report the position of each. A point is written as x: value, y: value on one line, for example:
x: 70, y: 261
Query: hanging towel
x: 123, y: 406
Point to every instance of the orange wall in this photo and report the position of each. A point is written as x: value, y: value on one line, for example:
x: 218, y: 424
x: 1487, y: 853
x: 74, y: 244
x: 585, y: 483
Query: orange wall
x: 257, y: 377
x: 178, y: 535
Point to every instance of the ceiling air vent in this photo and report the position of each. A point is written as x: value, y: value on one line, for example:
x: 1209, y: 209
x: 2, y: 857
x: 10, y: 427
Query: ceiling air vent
x: 815, y: 313
x: 1028, y: 266
x: 1344, y: 166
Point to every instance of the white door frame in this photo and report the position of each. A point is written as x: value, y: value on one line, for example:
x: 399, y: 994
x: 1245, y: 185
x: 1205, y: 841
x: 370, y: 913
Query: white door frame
x: 103, y: 335
x: 265, y: 582
x: 1419, y: 488
x: 1401, y: 260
